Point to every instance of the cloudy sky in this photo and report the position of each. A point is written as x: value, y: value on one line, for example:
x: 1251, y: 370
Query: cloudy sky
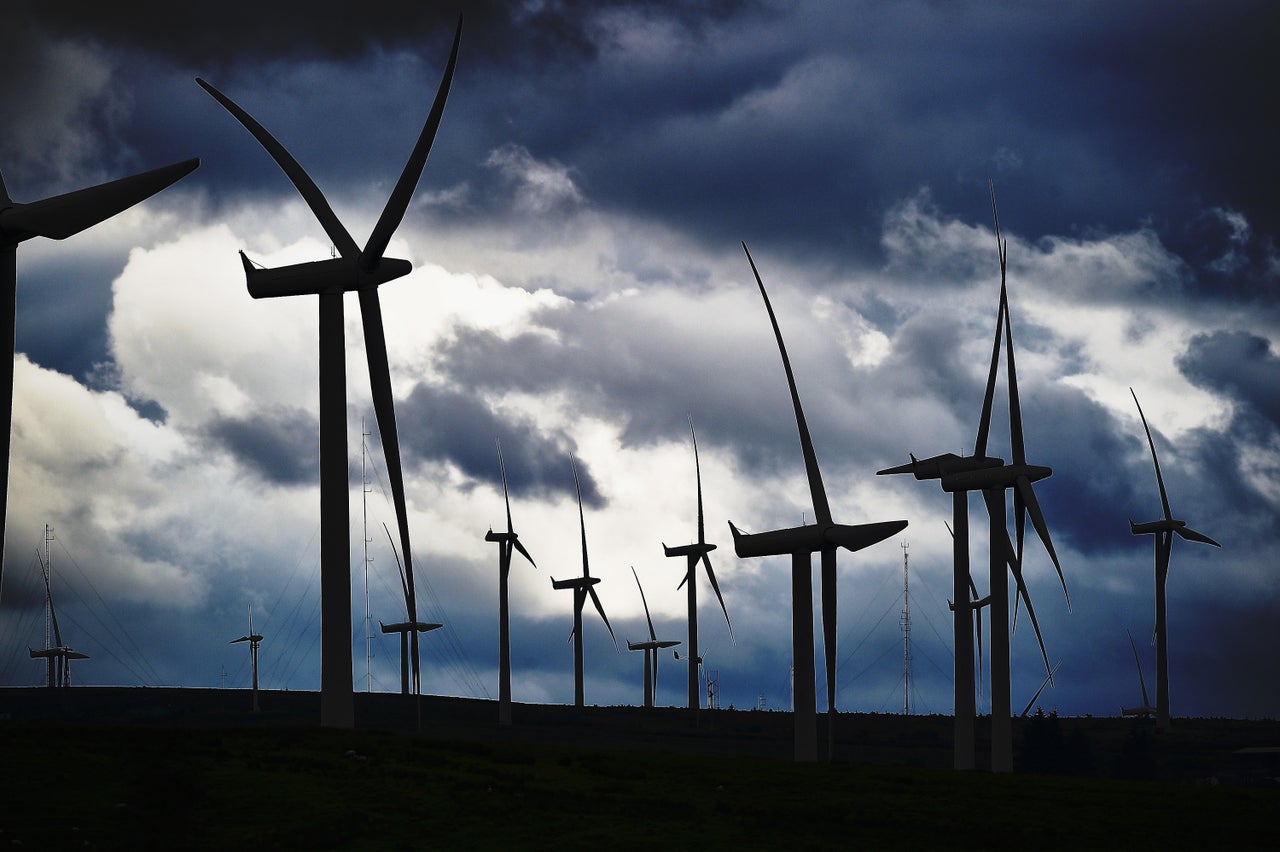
x: 579, y: 287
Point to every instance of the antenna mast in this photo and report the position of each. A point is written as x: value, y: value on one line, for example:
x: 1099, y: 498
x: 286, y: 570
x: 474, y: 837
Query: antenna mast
x: 364, y: 508
x: 906, y: 636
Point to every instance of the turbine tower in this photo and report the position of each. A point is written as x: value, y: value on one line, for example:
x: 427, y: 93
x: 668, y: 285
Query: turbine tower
x: 507, y: 542
x: 1163, y: 531
x: 695, y: 553
x: 361, y: 270
x: 825, y: 537
x: 55, y: 218
x: 253, y: 639
x: 650, y: 648
x: 583, y: 587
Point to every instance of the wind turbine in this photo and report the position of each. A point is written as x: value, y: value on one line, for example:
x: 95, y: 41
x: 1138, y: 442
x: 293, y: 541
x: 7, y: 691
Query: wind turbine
x: 1146, y: 711
x: 362, y: 270
x: 1163, y: 530
x: 993, y: 482
x: 959, y: 475
x: 408, y: 630
x: 57, y: 658
x: 583, y: 587
x: 695, y: 553
x: 56, y: 218
x: 253, y: 639
x: 824, y: 537
x: 650, y: 648
x: 507, y: 542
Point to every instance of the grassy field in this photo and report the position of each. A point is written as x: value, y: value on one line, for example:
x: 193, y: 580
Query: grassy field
x: 267, y: 783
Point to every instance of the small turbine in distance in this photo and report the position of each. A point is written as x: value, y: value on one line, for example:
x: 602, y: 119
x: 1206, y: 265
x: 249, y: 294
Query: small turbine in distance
x: 650, y: 648
x: 583, y: 587
x: 694, y: 554
x: 507, y: 542
x: 253, y: 639
x: 1163, y: 530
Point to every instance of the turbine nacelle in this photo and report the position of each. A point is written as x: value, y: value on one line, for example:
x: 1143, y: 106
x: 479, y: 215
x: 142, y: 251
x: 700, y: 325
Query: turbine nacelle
x: 947, y: 464
x: 409, y: 626
x: 1171, y: 525
x: 335, y: 275
x: 651, y: 645
x: 812, y: 539
x: 698, y: 549
x: 574, y: 583
x: 1006, y: 476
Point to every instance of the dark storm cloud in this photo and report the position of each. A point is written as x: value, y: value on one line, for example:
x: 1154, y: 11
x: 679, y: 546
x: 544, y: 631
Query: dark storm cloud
x: 1240, y: 365
x: 794, y: 128
x: 240, y: 30
x: 278, y: 445
x: 440, y: 424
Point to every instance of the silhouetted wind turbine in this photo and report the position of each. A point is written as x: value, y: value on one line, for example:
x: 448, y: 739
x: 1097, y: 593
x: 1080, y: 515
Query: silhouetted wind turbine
x: 650, y: 647
x: 959, y: 475
x: 56, y: 218
x: 408, y: 630
x: 1163, y: 530
x: 362, y: 270
x: 253, y: 639
x: 824, y: 537
x: 992, y: 482
x: 695, y: 553
x: 58, y: 658
x: 507, y: 542
x: 1146, y: 711
x: 583, y: 587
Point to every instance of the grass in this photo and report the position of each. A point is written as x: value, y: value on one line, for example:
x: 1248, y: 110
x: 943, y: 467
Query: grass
x: 131, y: 786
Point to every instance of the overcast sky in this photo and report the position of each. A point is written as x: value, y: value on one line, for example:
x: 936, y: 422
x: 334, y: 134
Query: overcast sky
x: 579, y: 286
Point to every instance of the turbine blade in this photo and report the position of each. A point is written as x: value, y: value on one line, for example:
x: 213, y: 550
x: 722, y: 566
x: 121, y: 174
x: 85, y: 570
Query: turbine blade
x: 821, y: 509
x: 1025, y: 488
x: 404, y: 585
x: 697, y: 467
x: 595, y: 599
x: 375, y: 345
x: 1018, y: 446
x: 1164, y: 496
x: 505, y: 496
x: 586, y: 572
x: 70, y: 213
x: 1048, y: 680
x: 53, y: 613
x: 297, y: 175
x: 994, y: 505
x: 1191, y: 535
x: 653, y: 637
x: 988, y: 397
x: 828, y: 580
x: 715, y: 587
x: 515, y: 542
x: 398, y: 203
x: 1137, y: 662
